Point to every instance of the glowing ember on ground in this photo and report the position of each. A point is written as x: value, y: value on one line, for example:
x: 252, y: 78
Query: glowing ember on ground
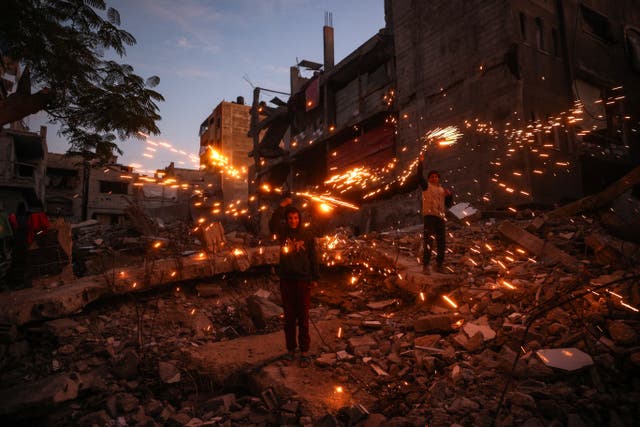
x: 449, y: 301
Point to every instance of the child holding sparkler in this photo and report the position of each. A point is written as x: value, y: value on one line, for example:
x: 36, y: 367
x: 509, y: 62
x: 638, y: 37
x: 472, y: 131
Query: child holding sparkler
x: 298, y: 273
x: 434, y: 200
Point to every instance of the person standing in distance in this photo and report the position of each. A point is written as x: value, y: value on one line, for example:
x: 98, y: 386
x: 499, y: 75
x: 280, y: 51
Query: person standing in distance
x: 298, y: 271
x: 435, y: 199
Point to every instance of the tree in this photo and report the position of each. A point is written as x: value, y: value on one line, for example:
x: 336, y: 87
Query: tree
x: 60, y: 47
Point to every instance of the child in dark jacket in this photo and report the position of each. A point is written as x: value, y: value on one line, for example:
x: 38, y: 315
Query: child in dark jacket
x: 298, y: 273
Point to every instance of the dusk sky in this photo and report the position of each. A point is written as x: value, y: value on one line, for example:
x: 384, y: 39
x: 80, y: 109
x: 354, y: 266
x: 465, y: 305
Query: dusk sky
x: 202, y: 49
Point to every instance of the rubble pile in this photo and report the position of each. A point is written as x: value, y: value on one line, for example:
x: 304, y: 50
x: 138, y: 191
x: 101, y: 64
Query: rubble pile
x: 531, y: 323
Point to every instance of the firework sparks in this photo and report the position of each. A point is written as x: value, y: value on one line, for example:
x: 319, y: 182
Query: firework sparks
x: 220, y: 161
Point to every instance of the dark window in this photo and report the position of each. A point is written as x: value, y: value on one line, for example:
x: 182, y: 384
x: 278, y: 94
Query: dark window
x: 111, y: 187
x: 539, y: 34
x: 25, y: 170
x: 596, y: 24
x: 203, y: 128
x: 63, y: 179
x: 523, y: 26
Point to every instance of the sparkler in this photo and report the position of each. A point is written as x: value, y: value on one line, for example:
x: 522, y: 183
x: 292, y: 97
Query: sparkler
x: 327, y: 199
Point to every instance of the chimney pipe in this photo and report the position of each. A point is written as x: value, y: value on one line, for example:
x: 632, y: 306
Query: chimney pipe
x: 327, y: 31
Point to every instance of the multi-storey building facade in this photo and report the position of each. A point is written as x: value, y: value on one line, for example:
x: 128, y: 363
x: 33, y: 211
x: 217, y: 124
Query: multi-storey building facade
x: 523, y: 67
x: 543, y: 92
x: 225, y: 130
x: 23, y: 159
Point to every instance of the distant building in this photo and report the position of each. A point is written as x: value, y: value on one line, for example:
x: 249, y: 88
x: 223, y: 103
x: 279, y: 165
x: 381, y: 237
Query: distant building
x: 22, y: 167
x: 177, y: 193
x: 109, y: 190
x: 64, y: 187
x: 225, y: 130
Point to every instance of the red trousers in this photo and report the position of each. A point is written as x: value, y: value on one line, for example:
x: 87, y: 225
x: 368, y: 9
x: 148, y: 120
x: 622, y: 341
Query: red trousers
x: 296, y: 299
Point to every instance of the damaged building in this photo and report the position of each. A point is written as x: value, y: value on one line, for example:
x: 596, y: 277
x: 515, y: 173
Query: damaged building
x: 22, y: 167
x: 339, y: 118
x: 543, y: 92
x: 225, y: 131
x: 77, y: 190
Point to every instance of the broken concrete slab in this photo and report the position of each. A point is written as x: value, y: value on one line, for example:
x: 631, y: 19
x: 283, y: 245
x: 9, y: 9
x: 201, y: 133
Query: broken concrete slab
x: 26, y: 305
x: 31, y: 304
x: 62, y: 327
x: 261, y: 310
x: 362, y: 344
x: 545, y: 250
x: 567, y: 359
x: 434, y: 323
x: 227, y: 361
x: 426, y: 341
x: 40, y: 395
x: 168, y: 372
x: 472, y: 328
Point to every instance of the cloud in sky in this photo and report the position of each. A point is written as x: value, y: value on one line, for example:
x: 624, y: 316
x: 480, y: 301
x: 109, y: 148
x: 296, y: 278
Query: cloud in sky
x: 195, y: 72
x: 187, y: 43
x: 188, y: 24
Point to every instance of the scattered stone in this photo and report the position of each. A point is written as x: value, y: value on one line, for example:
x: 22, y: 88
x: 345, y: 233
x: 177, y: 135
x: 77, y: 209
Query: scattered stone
x: 326, y: 359
x: 168, y: 372
x: 220, y: 403
x: 343, y: 355
x: 485, y: 330
x: 379, y: 305
x: 99, y: 418
x: 463, y: 405
x: 62, y: 328
x: 434, y: 323
x: 262, y: 310
x: 362, y: 344
x: 622, y: 334
x: 126, y: 402
x: 126, y: 365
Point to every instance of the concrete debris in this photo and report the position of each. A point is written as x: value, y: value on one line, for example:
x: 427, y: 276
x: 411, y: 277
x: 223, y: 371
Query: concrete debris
x: 516, y: 313
x: 379, y: 305
x: 485, y: 330
x: 168, y: 372
x: 567, y: 359
x: 40, y: 395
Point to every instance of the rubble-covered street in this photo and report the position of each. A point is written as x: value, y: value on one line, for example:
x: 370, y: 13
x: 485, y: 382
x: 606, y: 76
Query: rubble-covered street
x: 431, y: 218
x: 509, y: 335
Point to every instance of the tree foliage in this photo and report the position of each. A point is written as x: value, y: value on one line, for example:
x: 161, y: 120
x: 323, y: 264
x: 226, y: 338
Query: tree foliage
x: 61, y: 45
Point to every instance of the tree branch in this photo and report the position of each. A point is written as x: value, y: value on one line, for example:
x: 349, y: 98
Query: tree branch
x: 17, y: 107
